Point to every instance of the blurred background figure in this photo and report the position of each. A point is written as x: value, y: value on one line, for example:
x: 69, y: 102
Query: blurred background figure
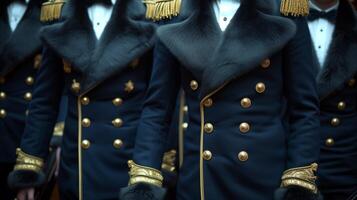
x: 333, y: 26
x: 20, y: 58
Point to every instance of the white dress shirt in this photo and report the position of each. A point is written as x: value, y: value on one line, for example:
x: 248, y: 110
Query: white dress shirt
x: 321, y: 31
x: 225, y: 11
x: 100, y: 15
x: 15, y: 12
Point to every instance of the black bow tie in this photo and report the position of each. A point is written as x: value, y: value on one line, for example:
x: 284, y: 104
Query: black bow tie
x: 103, y: 2
x: 315, y: 14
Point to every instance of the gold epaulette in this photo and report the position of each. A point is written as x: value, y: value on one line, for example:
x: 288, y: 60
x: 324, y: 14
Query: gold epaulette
x: 294, y: 8
x: 51, y: 10
x: 162, y: 9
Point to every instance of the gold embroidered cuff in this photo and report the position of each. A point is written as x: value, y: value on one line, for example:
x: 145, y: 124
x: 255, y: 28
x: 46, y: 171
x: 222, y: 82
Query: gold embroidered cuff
x: 27, y: 162
x: 58, y: 130
x: 142, y: 174
x: 302, y: 176
x: 168, y: 162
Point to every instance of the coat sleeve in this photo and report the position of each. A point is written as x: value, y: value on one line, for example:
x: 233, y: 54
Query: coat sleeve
x: 159, y: 106
x: 302, y: 110
x: 43, y: 111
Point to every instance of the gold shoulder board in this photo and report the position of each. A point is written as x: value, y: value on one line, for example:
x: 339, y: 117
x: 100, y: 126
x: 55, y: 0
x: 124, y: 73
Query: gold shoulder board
x: 294, y: 8
x: 162, y: 9
x: 51, y: 10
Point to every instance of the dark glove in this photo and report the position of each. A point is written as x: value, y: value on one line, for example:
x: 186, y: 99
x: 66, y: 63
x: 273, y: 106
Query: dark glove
x: 142, y: 191
x: 296, y: 193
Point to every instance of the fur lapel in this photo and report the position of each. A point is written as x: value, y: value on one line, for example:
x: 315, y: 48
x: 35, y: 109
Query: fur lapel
x: 126, y: 37
x: 253, y: 35
x: 341, y: 60
x: 24, y: 42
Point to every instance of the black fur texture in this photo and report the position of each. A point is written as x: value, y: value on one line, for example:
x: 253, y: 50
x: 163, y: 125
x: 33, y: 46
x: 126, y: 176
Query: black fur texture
x: 296, y: 193
x: 142, y: 191
x: 341, y: 60
x: 127, y: 36
x: 252, y: 33
x: 24, y: 42
x: 20, y: 179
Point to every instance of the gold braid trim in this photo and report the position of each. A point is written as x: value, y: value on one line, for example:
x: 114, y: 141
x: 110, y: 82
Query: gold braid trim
x: 51, y: 10
x: 162, y: 9
x: 142, y: 174
x: 294, y: 7
x: 301, y: 176
x: 27, y: 162
x: 168, y: 162
x: 58, y: 130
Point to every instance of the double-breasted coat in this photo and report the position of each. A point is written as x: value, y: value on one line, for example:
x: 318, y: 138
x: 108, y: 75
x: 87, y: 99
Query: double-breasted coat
x: 337, y: 88
x: 105, y: 81
x: 252, y: 101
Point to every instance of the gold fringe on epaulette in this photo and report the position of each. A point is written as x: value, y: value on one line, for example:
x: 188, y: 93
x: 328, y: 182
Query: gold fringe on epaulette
x: 51, y: 10
x: 295, y: 8
x: 162, y: 9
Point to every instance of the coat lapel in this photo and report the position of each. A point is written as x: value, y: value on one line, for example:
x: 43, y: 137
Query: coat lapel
x: 126, y: 37
x: 253, y: 35
x: 340, y: 64
x: 24, y: 42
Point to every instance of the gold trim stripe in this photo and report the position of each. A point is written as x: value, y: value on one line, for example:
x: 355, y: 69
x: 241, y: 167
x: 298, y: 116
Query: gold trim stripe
x: 27, y: 162
x: 143, y: 174
x: 80, y: 192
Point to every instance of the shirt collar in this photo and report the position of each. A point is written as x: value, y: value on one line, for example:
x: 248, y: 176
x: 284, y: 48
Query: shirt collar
x: 315, y: 7
x: 114, y: 1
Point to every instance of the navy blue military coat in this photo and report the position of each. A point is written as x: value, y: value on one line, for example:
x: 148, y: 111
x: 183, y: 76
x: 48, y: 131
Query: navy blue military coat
x: 20, y: 58
x: 236, y: 145
x: 337, y: 89
x: 105, y: 80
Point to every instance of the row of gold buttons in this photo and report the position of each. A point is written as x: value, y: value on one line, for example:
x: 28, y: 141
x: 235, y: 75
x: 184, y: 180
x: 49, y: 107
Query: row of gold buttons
x: 242, y: 156
x: 117, y: 144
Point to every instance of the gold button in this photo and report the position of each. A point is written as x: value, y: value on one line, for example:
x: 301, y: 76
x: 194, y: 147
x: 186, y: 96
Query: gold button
x: 330, y: 142
x: 352, y: 82
x: 2, y: 80
x: 185, y: 109
x: 129, y: 86
x: 85, y: 144
x: 208, y: 103
x: 335, y: 121
x: 37, y: 61
x: 194, y: 85
x: 85, y: 101
x: 67, y: 68
x: 2, y: 113
x: 135, y: 63
x: 86, y: 122
x: 341, y: 105
x: 117, y: 122
x: 243, y: 156
x: 244, y: 127
x: 260, y: 88
x: 266, y: 63
x: 76, y: 87
x: 28, y: 96
x: 27, y: 112
x: 207, y: 155
x: 117, y: 101
x: 185, y: 125
x: 246, y: 103
x: 118, y: 143
x: 29, y: 80
x: 2, y: 95
x: 208, y: 128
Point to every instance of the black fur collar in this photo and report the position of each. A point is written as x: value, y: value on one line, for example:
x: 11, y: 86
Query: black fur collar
x: 252, y: 36
x: 24, y: 42
x: 126, y: 37
x: 341, y: 60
